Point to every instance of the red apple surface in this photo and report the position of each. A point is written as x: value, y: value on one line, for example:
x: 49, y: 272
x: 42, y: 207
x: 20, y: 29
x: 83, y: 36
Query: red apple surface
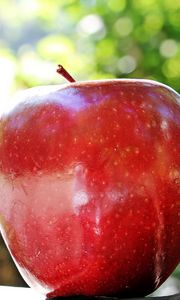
x: 90, y: 186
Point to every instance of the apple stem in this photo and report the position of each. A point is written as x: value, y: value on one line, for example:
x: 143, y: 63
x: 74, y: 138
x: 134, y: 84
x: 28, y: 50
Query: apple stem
x: 65, y: 74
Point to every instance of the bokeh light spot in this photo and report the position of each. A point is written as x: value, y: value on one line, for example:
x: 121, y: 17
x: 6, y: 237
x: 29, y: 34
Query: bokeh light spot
x: 127, y: 64
x: 91, y: 25
x: 116, y: 5
x: 168, y: 48
x: 123, y: 26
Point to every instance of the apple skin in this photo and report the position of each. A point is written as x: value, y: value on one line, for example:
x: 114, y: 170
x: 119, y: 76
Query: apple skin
x: 90, y: 186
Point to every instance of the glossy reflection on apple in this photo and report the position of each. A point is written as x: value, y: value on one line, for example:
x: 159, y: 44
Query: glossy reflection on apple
x: 90, y: 186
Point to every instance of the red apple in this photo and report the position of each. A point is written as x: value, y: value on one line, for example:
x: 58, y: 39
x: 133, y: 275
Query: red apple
x: 90, y: 186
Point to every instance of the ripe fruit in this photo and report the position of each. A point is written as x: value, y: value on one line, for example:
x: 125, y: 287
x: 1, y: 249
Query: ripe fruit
x: 90, y: 186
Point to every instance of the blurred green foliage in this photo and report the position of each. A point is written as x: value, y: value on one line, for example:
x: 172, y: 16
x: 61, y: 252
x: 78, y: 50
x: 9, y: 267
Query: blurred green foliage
x: 177, y: 272
x: 91, y: 38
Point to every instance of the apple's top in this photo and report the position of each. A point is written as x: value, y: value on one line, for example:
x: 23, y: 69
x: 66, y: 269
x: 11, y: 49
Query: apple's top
x: 63, y: 72
x: 40, y: 93
x: 135, y: 81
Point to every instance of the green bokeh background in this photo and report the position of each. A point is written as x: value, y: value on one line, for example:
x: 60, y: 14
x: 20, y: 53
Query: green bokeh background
x: 93, y: 39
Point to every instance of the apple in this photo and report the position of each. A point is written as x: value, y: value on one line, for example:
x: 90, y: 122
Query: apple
x: 90, y: 186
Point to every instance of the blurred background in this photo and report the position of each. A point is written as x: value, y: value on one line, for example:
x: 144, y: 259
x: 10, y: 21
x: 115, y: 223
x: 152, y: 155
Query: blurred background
x: 92, y: 39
